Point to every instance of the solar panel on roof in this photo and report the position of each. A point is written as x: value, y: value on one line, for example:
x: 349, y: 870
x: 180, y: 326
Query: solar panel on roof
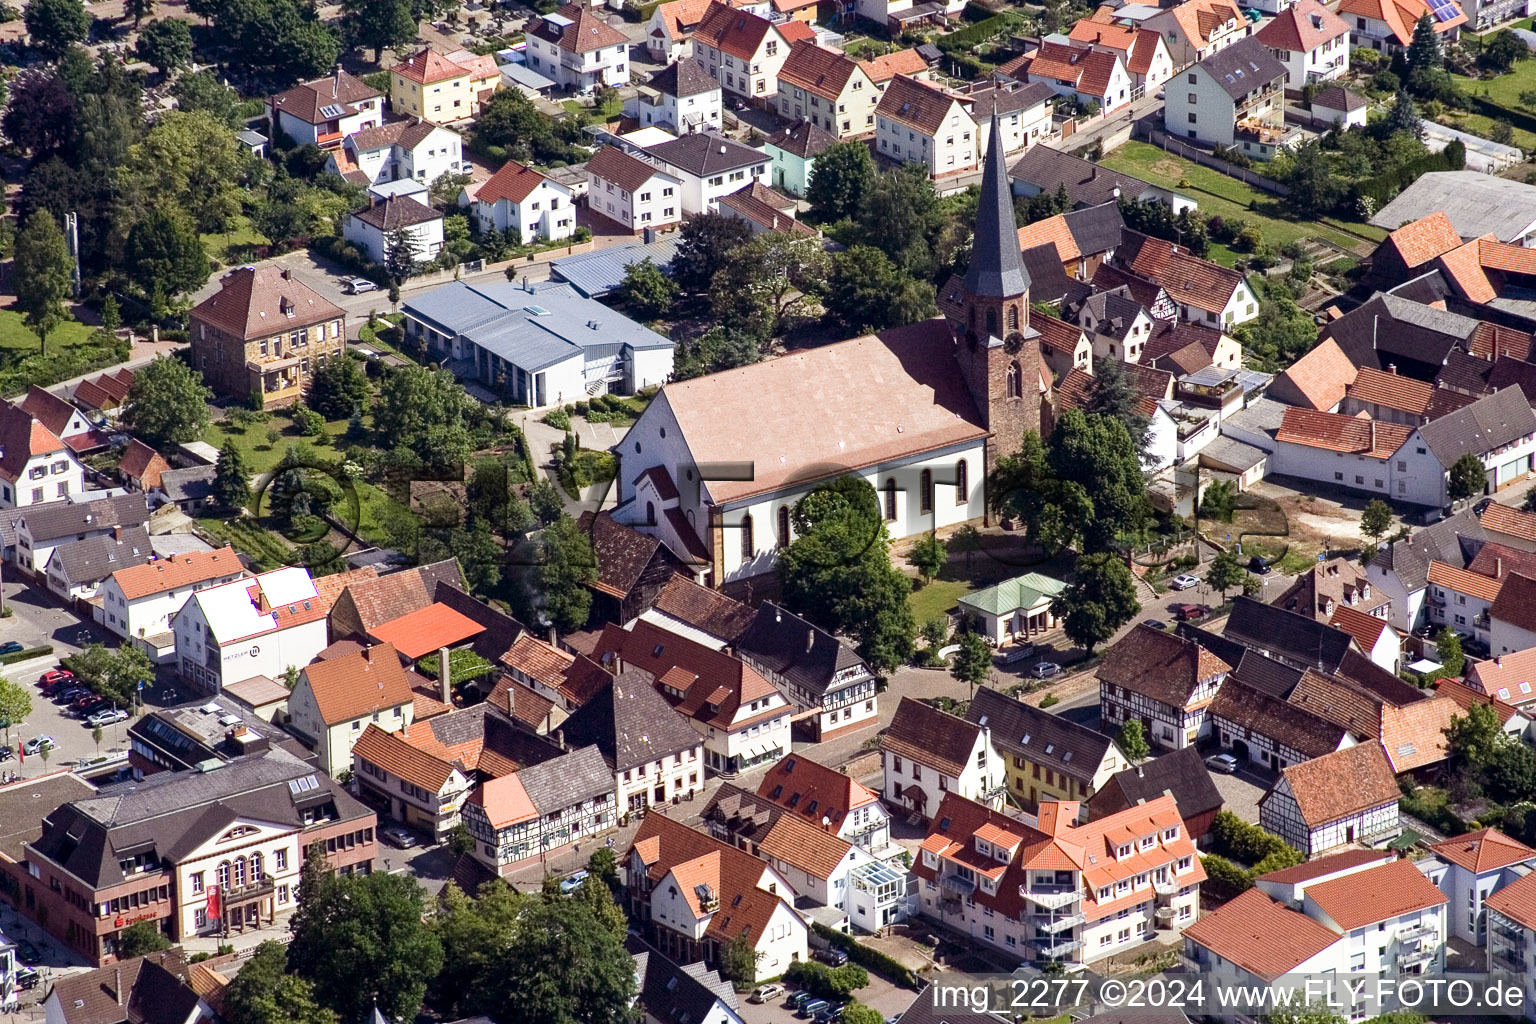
x: 1443, y: 10
x: 330, y: 110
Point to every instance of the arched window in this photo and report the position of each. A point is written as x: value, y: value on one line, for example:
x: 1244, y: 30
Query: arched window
x: 239, y: 876
x: 748, y: 549
x: 221, y: 873
x: 890, y: 500
x: 1015, y: 380
x: 991, y: 321
x: 783, y: 526
x: 650, y: 513
x: 257, y: 874
x: 962, y: 483
x: 1013, y: 318
x: 925, y: 491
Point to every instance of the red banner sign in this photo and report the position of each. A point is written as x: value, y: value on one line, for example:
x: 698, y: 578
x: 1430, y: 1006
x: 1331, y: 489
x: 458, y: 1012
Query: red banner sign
x: 213, y: 901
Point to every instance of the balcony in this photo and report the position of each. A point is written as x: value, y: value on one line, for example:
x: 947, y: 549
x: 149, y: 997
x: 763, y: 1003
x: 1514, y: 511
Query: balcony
x: 1165, y: 916
x: 1480, y: 621
x: 1056, y: 948
x: 1507, y: 960
x: 1165, y: 887
x: 259, y: 887
x: 1512, y: 938
x: 1051, y: 897
x: 1415, y: 957
x: 959, y: 883
x: 1418, y: 931
x: 1054, y: 925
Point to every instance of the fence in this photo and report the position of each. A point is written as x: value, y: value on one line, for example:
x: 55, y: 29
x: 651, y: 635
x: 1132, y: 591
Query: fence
x: 1179, y: 147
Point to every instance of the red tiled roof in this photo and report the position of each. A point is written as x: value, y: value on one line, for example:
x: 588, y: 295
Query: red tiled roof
x: 1424, y: 239
x: 21, y: 438
x: 1472, y: 584
x: 306, y: 100
x: 737, y: 33
x: 1326, y: 866
x: 586, y: 31
x: 512, y: 182
x: 746, y: 205
x: 1088, y: 71
x: 1323, y: 375
x: 1510, y: 677
x: 799, y: 784
x: 1464, y: 266
x: 889, y: 65
x: 48, y: 409
x: 1303, y: 28
x: 396, y: 755
x: 1391, y: 390
x: 1199, y: 19
x: 1489, y: 341
x: 1339, y: 433
x: 358, y: 684
x: 918, y: 105
x: 714, y: 684
x: 1158, y: 664
x: 1345, y: 782
x: 1052, y: 230
x: 426, y: 629
x: 1509, y: 520
x: 1413, y: 736
x: 1484, y: 850
x: 1400, y: 16
x: 177, y: 571
x: 1516, y: 901
x: 1185, y: 277
x: 254, y: 302
x: 1366, y: 629
x: 695, y: 858
x: 141, y: 462
x: 818, y: 70
x: 1377, y: 894
x: 1465, y: 696
x: 429, y: 66
x: 795, y: 32
x: 1260, y: 935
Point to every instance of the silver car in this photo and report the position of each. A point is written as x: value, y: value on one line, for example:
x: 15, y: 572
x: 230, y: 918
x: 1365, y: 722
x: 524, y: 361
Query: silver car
x: 404, y: 838
x: 1046, y: 669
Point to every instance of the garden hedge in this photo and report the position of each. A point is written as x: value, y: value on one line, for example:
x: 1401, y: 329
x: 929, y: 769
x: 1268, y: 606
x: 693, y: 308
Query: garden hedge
x: 868, y: 957
x: 23, y: 655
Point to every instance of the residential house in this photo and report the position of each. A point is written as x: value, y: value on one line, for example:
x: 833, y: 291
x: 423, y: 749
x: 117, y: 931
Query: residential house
x: 444, y: 88
x: 1512, y: 935
x: 36, y: 466
x: 1462, y: 598
x: 700, y: 613
x: 917, y: 122
x: 42, y: 529
x: 1390, y: 397
x: 691, y: 895
x: 1043, y: 169
x: 1387, y: 25
x: 190, y: 489
x: 1263, y: 728
x: 1400, y: 570
x: 632, y: 568
x: 262, y: 333
x: 1197, y: 29
x: 1024, y: 112
x: 1509, y: 526
x: 1232, y: 98
x: 927, y: 754
x: 335, y: 699
x: 1499, y: 430
x: 1336, y: 105
x: 104, y: 393
x: 578, y: 50
x: 1508, y: 676
x: 365, y: 604
x: 537, y: 344
x: 399, y: 151
x: 824, y: 870
x: 1163, y: 680
x: 681, y: 98
x: 374, y: 228
x: 765, y: 211
x: 1186, y: 349
x: 1075, y: 893
x: 827, y: 88
x: 523, y: 201
x: 887, y: 66
x: 743, y: 718
x: 138, y: 602
x: 742, y: 51
x: 632, y: 192
x: 831, y: 800
x: 1376, y: 639
x: 669, y: 33
x: 1045, y: 757
x: 1513, y: 721
x: 1020, y: 607
x: 653, y: 754
x: 540, y: 810
x: 792, y: 153
x: 141, y: 466
x: 709, y: 167
x: 1180, y: 773
x: 1141, y: 51
x: 667, y: 990
x: 1092, y: 78
x: 1347, y: 796
x: 817, y: 671
x: 77, y: 569
x: 1345, y: 451
x: 66, y: 422
x: 1413, y: 248
x: 1120, y: 327
x: 1204, y: 292
x: 327, y: 110
x: 1468, y: 869
x: 1311, y: 41
x: 1512, y: 626
x: 1084, y: 238
x: 157, y: 987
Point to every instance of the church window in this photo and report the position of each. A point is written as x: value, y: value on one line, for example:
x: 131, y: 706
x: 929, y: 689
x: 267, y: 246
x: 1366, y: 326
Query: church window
x: 637, y: 447
x: 991, y: 321
x: 890, y: 500
x: 925, y: 489
x: 1013, y: 318
x: 1015, y: 381
x: 650, y: 513
x: 962, y: 483
x: 747, y: 547
x: 783, y: 526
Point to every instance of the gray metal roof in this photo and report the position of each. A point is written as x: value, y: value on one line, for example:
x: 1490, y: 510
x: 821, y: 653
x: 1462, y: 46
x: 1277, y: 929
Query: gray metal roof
x: 521, y: 74
x: 599, y: 272
x: 1477, y: 204
x: 1261, y: 417
x: 533, y: 327
x: 96, y: 558
x: 1233, y: 453
x: 996, y: 269
x: 1479, y: 428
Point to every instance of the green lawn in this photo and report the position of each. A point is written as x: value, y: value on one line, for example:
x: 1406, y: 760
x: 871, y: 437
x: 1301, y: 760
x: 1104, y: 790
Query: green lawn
x: 261, y: 454
x: 1219, y: 195
x: 1502, y: 89
x: 235, y: 245
x: 937, y: 598
x: 1481, y: 124
x: 18, y: 341
x: 607, y: 111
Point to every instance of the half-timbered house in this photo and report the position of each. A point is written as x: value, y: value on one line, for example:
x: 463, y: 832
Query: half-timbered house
x: 1165, y: 681
x: 1348, y: 796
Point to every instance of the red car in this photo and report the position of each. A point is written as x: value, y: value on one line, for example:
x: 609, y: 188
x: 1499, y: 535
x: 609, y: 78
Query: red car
x: 54, y: 676
x: 1191, y: 612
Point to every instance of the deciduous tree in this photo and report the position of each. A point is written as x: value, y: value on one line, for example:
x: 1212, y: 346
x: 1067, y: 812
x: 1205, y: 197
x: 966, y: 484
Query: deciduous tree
x: 841, y: 178
x: 42, y: 273
x: 1100, y: 599
x: 265, y: 993
x: 379, y: 24
x: 39, y: 113
x: 900, y: 216
x: 702, y: 246
x: 56, y: 25
x: 138, y: 10
x: 140, y: 938
x: 1133, y: 740
x: 647, y: 289
x: 739, y: 960
x: 767, y: 280
x: 165, y: 253
x: 15, y: 703
x: 1225, y: 572
x: 558, y: 569
x: 1468, y: 476
x: 1115, y: 395
x: 927, y: 556
x: 166, y: 45
x: 1448, y: 650
x: 972, y: 663
x: 1095, y: 453
x: 867, y: 292
x: 167, y: 403
x: 1376, y: 520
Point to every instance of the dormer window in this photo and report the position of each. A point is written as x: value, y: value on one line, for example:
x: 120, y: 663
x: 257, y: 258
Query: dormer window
x: 1169, y: 835
x: 1124, y: 851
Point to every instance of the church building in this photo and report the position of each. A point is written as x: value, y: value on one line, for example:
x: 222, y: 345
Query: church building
x: 714, y: 466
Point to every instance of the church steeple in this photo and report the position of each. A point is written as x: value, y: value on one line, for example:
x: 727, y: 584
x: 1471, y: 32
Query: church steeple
x: 996, y: 270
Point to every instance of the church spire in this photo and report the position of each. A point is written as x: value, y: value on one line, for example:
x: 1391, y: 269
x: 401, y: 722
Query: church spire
x: 996, y: 269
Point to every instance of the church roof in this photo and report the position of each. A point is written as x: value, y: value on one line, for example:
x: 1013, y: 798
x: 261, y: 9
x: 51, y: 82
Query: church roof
x: 996, y: 269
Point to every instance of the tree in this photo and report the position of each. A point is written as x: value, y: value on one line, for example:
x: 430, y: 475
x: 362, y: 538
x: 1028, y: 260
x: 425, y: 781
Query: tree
x: 166, y: 45
x: 1424, y: 51
x: 768, y: 280
x: 1133, y: 740
x: 867, y: 292
x: 203, y: 91
x: 841, y: 177
x: 140, y: 938
x: 42, y: 273
x: 265, y: 993
x: 401, y: 255
x: 1115, y: 395
x: 837, y: 572
x: 1313, y: 187
x: 647, y: 289
x: 15, y: 703
x: 361, y: 941
x: 556, y: 586
x: 972, y: 663
x: 189, y: 159
x: 702, y: 246
x: 714, y: 351
x: 231, y: 479
x: 1448, y: 651
x: 1403, y: 116
x: 1376, y: 520
x: 138, y: 10
x: 927, y: 556
x: 1502, y: 52
x: 1475, y: 736
x: 1100, y: 599
x: 603, y: 865
x: 459, y: 840
x: 1219, y: 501
x: 40, y: 113
x: 56, y: 25
x: 858, y: 1013
x: 1467, y: 477
x: 545, y: 502
x: 423, y: 411
x: 378, y: 23
x: 164, y: 252
x: 901, y: 216
x: 738, y: 961
x: 1225, y: 572
x: 1096, y: 455
x: 339, y: 387
x: 167, y: 403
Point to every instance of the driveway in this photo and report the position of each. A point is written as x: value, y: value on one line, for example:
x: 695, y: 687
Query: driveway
x: 1240, y: 791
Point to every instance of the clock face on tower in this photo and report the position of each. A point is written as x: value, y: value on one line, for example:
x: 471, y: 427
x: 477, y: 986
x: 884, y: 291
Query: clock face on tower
x: 1013, y: 343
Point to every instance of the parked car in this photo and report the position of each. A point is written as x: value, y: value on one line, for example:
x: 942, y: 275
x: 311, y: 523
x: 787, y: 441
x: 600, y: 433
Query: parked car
x: 38, y: 744
x: 6, y: 753
x: 1478, y: 508
x: 403, y: 838
x: 27, y: 952
x: 11, y: 647
x: 1224, y: 763
x: 54, y: 676
x: 106, y: 716
x: 1191, y: 612
x: 1185, y: 582
x: 811, y: 1009
x: 1258, y: 565
x: 358, y: 285
x: 86, y: 700
x: 68, y: 693
x: 26, y: 978
x: 1046, y: 669
x: 766, y: 993
x: 570, y: 883
x: 798, y: 999
x: 831, y: 1015
x: 832, y: 956
x: 1157, y: 624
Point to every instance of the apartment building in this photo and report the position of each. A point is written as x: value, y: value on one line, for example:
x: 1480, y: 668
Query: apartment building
x: 917, y: 122
x: 632, y: 192
x: 1469, y: 869
x: 1234, y: 99
x: 742, y: 51
x: 927, y: 754
x: 828, y: 89
x: 442, y: 88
